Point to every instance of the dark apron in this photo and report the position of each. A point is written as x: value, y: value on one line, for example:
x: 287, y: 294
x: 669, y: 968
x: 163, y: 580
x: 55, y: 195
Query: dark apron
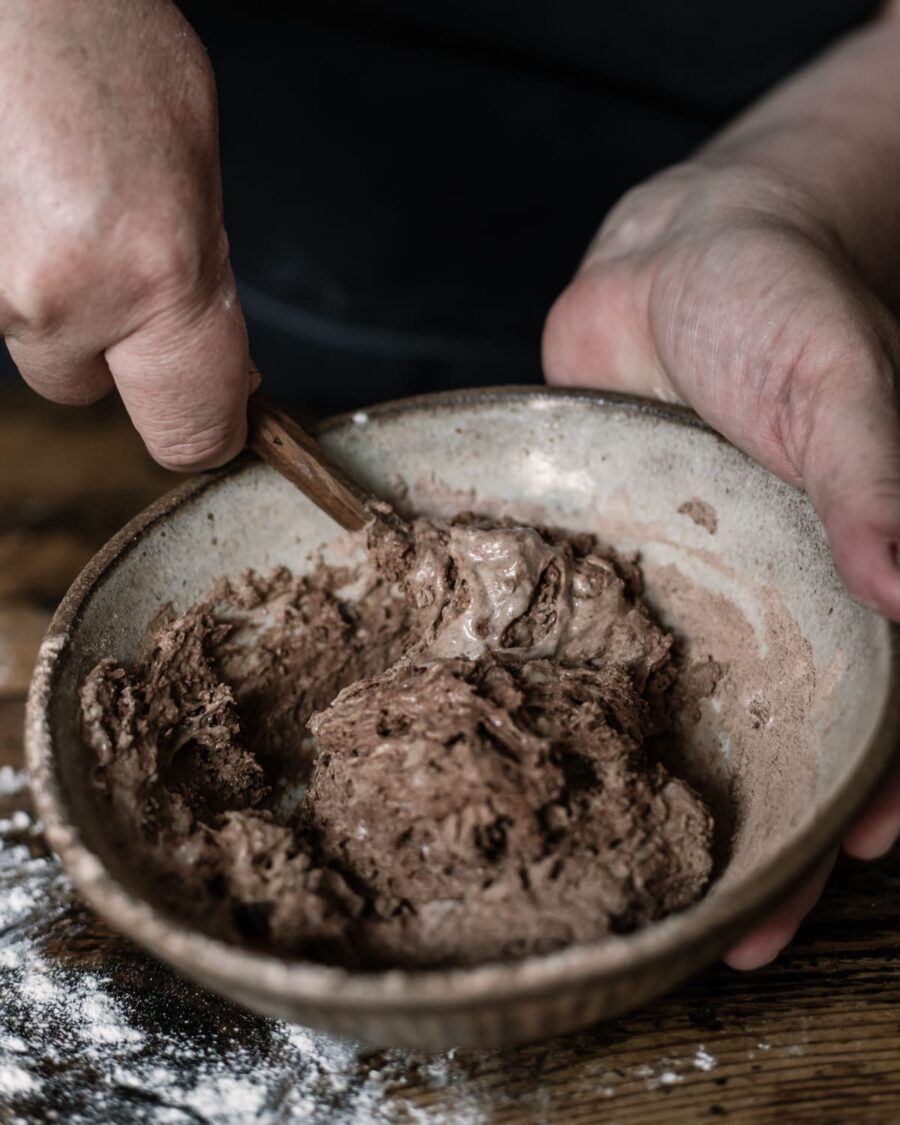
x: 408, y: 184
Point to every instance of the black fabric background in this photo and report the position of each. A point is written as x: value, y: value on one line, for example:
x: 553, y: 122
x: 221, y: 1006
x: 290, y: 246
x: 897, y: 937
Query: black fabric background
x: 409, y: 185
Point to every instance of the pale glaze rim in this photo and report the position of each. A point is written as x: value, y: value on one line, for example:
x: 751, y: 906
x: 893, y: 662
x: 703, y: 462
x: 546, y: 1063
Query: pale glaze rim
x: 699, y: 934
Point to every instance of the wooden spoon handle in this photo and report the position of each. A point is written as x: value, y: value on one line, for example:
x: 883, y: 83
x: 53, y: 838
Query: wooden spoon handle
x: 287, y: 447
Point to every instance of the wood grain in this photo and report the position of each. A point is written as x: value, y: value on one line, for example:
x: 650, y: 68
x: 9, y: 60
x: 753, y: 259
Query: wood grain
x: 812, y: 1038
x: 282, y: 442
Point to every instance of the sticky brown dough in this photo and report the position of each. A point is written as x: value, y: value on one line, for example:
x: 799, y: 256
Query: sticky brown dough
x: 478, y: 789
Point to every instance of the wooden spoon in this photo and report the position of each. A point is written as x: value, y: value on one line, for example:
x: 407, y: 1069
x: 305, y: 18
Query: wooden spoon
x: 275, y: 437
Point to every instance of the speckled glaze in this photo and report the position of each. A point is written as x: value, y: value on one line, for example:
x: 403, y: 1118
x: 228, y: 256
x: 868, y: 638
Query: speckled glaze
x: 618, y: 466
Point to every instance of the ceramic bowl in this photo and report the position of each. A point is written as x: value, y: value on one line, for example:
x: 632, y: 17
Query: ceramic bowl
x: 801, y: 726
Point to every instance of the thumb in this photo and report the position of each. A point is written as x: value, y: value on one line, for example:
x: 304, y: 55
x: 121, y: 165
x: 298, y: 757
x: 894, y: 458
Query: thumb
x: 185, y: 377
x: 851, y: 470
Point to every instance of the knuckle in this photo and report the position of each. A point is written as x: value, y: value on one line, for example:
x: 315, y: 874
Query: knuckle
x: 44, y: 292
x: 176, y: 261
x: 165, y: 260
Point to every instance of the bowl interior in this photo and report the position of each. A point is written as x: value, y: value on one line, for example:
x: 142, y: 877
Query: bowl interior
x: 735, y: 562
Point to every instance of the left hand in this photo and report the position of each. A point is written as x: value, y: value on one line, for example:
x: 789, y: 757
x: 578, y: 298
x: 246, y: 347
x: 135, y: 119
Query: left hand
x: 722, y: 288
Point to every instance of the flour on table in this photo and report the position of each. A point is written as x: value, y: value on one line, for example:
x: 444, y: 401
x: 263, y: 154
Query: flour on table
x: 92, y: 1031
x: 12, y: 781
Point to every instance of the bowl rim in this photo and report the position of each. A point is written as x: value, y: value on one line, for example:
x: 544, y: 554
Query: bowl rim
x: 697, y: 935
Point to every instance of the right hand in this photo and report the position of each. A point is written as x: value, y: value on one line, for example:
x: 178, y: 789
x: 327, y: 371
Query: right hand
x: 114, y: 263
x: 725, y: 289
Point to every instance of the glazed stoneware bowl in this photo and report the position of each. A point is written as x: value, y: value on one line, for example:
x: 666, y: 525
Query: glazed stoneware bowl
x: 800, y: 727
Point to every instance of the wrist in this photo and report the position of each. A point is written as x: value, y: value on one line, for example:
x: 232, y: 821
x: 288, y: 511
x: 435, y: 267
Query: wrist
x: 712, y: 193
x: 748, y: 183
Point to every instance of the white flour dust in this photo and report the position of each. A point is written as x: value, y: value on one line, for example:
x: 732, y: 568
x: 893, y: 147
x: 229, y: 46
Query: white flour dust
x: 93, y: 1032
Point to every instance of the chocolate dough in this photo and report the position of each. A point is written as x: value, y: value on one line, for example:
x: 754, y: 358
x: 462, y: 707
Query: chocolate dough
x: 435, y: 758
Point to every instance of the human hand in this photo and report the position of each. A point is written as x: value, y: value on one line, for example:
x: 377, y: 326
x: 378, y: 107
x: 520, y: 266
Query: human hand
x: 722, y: 288
x: 113, y: 259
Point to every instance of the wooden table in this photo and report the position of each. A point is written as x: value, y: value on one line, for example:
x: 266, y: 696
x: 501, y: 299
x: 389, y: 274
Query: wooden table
x: 815, y: 1037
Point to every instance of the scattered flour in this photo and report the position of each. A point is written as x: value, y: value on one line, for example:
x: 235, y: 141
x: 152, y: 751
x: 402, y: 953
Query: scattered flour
x: 92, y: 1032
x: 12, y: 782
x: 15, y: 1080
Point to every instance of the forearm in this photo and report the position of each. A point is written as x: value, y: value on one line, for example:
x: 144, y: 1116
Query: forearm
x: 832, y: 134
